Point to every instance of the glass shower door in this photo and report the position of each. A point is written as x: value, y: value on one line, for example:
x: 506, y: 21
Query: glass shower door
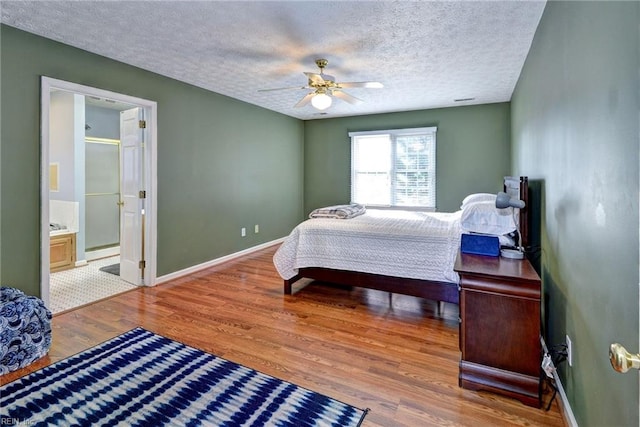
x: 102, y: 212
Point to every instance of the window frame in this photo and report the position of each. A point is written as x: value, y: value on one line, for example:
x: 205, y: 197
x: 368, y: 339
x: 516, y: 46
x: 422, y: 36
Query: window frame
x: 393, y: 134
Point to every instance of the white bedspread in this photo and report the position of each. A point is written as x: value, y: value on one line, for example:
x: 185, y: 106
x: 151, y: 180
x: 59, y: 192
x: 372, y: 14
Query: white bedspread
x: 408, y: 244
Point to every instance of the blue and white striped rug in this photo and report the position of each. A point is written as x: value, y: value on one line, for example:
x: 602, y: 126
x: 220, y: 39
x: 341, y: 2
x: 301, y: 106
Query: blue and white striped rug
x: 143, y: 379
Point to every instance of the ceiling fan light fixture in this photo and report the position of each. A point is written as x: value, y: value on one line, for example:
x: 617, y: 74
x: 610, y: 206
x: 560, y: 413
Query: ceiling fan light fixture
x: 321, y: 88
x: 321, y: 101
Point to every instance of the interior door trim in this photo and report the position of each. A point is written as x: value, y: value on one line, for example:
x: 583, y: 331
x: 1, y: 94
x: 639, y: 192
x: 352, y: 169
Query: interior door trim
x: 150, y: 173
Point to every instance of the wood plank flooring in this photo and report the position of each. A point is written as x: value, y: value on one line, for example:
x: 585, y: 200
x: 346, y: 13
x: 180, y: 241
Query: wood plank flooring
x: 399, y: 358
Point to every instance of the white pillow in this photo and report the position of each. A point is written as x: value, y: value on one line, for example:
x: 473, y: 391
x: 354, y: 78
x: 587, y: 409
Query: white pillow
x: 478, y: 197
x: 484, y: 217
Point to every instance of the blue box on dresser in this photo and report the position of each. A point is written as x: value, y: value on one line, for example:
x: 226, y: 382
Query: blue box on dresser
x: 480, y: 244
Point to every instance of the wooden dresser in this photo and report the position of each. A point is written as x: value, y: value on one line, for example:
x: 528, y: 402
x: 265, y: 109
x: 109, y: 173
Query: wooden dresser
x: 500, y: 327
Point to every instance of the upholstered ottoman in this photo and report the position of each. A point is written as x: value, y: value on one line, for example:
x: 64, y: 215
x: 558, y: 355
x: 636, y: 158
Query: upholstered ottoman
x: 25, y: 329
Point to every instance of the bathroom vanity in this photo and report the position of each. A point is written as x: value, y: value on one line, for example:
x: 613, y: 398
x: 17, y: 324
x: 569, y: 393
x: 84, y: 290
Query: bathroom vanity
x: 62, y: 251
x: 63, y: 229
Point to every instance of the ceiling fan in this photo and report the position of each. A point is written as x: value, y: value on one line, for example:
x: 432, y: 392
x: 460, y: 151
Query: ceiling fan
x: 323, y: 87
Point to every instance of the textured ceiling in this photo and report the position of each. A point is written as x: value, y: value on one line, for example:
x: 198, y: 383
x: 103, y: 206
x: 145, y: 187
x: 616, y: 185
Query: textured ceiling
x: 427, y: 54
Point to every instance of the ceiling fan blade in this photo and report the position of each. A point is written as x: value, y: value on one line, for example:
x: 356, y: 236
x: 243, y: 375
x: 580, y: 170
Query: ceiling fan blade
x: 304, y: 101
x: 315, y: 78
x: 283, y: 88
x: 346, y: 97
x: 369, y: 85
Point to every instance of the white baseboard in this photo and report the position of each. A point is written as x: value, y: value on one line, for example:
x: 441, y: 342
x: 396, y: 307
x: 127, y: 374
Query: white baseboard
x: 565, y: 408
x: 208, y: 264
x: 102, y: 253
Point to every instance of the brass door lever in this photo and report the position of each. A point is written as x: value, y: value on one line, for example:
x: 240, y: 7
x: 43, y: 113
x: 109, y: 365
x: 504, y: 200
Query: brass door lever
x: 621, y: 360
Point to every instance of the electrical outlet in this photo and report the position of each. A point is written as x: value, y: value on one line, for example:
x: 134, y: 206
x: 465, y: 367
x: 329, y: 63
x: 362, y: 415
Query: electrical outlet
x: 569, y: 350
x: 243, y: 232
x: 256, y: 229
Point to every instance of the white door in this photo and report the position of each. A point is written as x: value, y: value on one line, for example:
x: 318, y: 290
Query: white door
x: 132, y: 193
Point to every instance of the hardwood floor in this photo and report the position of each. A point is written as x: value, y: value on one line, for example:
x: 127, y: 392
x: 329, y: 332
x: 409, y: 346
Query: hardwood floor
x: 398, y: 358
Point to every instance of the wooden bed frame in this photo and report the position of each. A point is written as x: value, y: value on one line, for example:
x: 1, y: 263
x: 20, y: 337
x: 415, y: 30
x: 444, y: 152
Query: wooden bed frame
x: 437, y: 291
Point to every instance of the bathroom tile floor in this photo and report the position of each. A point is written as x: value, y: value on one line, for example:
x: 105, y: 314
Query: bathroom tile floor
x: 82, y: 285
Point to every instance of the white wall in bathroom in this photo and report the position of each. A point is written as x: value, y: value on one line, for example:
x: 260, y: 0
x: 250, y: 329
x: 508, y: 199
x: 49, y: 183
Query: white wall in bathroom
x: 62, y: 149
x: 66, y: 147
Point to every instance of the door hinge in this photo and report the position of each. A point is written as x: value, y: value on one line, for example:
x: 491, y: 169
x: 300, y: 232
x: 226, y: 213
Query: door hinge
x: 142, y: 124
x: 142, y: 264
x: 142, y: 194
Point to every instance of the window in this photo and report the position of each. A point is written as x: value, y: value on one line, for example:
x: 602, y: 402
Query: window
x: 394, y: 168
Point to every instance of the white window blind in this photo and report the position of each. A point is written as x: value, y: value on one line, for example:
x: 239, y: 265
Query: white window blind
x: 394, y: 168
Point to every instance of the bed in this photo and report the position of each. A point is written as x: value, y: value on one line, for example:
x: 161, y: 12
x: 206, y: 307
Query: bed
x: 404, y: 252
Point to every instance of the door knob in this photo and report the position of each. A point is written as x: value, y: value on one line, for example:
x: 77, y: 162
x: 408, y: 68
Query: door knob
x: 621, y: 360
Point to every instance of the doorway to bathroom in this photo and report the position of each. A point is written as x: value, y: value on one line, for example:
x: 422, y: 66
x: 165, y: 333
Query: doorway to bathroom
x: 98, y: 185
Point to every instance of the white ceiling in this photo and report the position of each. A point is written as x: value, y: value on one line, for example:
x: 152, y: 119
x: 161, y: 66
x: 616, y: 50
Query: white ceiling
x: 427, y: 54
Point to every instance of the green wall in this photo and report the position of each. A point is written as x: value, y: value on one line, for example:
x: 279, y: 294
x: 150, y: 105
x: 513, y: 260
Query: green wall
x: 220, y: 161
x: 1, y: 282
x: 575, y: 130
x: 473, y: 152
